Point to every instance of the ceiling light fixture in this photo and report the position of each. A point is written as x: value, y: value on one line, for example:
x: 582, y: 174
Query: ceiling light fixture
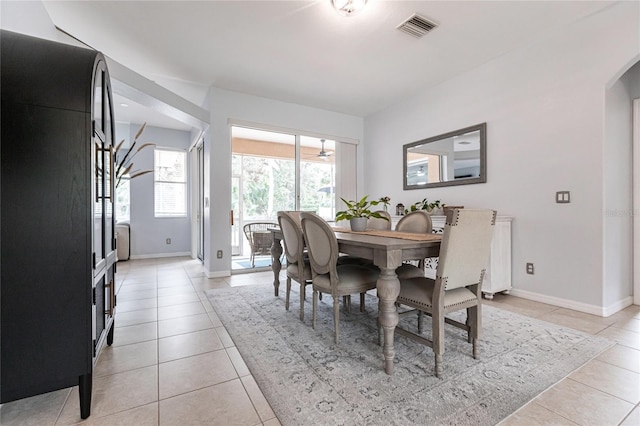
x: 348, y: 7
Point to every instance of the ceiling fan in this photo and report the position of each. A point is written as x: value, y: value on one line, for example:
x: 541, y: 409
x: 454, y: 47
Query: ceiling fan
x: 420, y: 172
x: 324, y: 154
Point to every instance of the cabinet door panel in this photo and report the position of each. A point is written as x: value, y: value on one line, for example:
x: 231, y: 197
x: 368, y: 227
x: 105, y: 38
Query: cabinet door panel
x: 109, y: 195
x: 45, y: 182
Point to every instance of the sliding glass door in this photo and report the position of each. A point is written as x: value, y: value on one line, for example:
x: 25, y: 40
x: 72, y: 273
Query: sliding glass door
x: 277, y: 171
x: 317, y: 176
x: 263, y: 182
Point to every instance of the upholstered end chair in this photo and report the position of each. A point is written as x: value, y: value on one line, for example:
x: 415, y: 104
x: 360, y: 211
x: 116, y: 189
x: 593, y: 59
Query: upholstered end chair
x: 464, y: 255
x: 327, y: 275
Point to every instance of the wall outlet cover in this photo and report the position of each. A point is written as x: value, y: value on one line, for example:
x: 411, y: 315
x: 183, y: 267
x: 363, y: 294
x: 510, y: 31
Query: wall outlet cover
x: 563, y: 197
x: 530, y: 268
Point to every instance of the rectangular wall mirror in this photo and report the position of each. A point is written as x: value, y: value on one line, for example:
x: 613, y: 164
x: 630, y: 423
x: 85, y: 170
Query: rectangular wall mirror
x: 454, y: 158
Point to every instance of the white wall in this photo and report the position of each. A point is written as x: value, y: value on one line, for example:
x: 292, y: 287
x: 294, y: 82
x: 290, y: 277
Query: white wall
x: 225, y: 105
x: 544, y: 108
x: 618, y: 196
x: 148, y: 233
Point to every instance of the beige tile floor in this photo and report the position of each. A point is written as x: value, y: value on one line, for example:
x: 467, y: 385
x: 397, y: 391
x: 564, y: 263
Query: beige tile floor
x: 173, y: 363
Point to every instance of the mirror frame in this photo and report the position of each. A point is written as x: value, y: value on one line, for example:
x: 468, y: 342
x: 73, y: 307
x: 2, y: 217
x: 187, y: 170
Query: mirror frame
x: 482, y: 128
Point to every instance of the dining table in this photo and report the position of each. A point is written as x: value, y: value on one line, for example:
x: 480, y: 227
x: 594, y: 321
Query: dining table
x: 388, y: 250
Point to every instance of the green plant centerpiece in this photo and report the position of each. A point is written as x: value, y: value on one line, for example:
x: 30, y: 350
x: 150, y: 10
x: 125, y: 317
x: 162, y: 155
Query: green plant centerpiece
x: 358, y: 213
x: 425, y: 204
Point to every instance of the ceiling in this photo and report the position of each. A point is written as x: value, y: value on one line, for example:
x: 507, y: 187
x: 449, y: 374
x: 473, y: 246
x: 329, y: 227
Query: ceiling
x: 129, y: 111
x: 303, y: 52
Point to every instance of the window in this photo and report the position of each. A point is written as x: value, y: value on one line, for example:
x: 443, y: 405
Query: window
x: 170, y: 178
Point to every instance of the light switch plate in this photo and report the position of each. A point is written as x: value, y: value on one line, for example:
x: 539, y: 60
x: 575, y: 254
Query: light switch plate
x: 563, y: 197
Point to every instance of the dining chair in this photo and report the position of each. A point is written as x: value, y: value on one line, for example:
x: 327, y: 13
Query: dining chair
x: 298, y: 267
x: 260, y: 239
x: 464, y: 256
x: 416, y: 222
x: 327, y: 275
x: 380, y: 224
x: 344, y: 259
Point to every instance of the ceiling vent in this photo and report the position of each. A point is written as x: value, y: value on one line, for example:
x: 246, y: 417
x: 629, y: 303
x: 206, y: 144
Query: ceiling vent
x: 416, y: 26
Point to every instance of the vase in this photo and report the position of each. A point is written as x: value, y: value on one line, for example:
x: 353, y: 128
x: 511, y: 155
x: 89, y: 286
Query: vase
x: 358, y: 224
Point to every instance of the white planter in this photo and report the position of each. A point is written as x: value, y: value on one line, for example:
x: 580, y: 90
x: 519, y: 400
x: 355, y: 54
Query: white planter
x: 358, y: 224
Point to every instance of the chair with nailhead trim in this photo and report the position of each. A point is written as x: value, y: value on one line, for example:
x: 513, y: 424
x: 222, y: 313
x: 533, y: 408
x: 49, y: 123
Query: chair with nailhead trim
x: 464, y: 256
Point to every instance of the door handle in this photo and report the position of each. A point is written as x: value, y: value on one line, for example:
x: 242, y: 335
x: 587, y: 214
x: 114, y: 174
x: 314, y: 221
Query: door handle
x: 231, y: 217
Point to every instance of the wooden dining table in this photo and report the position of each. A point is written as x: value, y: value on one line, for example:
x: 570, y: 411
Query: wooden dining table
x: 387, y: 250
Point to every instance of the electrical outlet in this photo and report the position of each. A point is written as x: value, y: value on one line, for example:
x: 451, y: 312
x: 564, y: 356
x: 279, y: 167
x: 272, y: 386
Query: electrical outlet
x: 168, y: 240
x: 563, y: 197
x: 219, y: 254
x: 530, y: 268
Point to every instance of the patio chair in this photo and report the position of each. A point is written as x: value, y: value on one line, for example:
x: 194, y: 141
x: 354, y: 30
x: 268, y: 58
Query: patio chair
x: 260, y: 239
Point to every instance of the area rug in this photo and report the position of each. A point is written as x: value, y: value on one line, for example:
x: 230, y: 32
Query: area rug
x: 307, y: 379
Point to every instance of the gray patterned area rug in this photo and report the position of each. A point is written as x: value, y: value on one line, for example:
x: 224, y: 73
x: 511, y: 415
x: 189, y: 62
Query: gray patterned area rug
x: 308, y: 379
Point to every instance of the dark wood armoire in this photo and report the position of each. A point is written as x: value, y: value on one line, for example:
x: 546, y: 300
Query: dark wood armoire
x: 57, y: 253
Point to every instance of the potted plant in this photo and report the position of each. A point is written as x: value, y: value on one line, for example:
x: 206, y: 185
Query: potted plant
x: 358, y: 213
x: 429, y: 207
x: 434, y: 207
x: 124, y: 160
x: 385, y: 202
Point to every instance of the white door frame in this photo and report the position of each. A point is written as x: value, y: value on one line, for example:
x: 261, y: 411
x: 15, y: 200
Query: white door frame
x: 200, y: 200
x: 636, y: 201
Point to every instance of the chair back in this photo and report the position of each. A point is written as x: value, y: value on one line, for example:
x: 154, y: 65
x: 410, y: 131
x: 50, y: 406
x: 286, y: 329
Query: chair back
x: 465, y: 247
x: 322, y: 244
x: 375, y: 223
x: 292, y: 237
x: 418, y: 222
x: 295, y: 215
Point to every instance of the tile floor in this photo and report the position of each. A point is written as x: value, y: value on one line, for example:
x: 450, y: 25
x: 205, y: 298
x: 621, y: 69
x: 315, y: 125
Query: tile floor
x: 173, y: 363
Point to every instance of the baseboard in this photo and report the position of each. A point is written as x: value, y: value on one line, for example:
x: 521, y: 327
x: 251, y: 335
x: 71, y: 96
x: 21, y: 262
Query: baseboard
x: 217, y: 274
x: 158, y: 255
x: 617, y: 307
x: 600, y: 311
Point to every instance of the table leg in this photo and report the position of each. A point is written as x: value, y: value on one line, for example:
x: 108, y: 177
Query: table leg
x: 276, y: 266
x: 388, y: 288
